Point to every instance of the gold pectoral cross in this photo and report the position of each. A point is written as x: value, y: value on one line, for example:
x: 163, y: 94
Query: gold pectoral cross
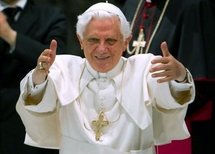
x: 99, y: 124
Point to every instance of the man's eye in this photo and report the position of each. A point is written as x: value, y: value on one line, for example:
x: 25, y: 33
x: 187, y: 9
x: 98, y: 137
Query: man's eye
x: 111, y: 41
x: 93, y: 40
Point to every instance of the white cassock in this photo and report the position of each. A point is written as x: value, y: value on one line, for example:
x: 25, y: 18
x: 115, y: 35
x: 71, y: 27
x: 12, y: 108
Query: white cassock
x: 140, y: 112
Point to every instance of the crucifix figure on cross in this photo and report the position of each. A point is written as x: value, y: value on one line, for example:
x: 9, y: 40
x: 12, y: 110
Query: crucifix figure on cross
x: 99, y: 124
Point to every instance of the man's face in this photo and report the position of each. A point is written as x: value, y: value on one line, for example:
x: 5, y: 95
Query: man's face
x: 103, y: 43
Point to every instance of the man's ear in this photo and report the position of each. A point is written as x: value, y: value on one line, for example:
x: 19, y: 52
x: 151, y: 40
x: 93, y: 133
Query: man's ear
x: 127, y: 40
x: 80, y: 41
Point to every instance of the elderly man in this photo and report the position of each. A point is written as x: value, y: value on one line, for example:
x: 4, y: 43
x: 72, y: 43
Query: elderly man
x: 105, y: 103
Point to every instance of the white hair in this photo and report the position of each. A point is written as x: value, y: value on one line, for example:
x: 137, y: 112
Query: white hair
x: 102, y: 10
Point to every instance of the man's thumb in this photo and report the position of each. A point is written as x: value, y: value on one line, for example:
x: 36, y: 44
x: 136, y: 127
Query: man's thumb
x: 164, y: 49
x: 53, y: 46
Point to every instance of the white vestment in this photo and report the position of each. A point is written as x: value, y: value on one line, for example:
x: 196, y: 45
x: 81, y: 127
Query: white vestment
x: 141, y: 112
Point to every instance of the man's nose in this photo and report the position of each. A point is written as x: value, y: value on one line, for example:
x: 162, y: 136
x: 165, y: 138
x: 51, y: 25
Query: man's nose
x: 102, y: 47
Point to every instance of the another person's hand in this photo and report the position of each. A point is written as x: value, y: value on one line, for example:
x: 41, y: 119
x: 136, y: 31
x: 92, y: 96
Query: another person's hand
x: 44, y: 62
x: 167, y: 67
x: 6, y: 32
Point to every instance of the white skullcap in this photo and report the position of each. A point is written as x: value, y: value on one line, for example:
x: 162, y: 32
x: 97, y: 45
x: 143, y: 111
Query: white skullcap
x: 95, y: 10
x: 105, y: 7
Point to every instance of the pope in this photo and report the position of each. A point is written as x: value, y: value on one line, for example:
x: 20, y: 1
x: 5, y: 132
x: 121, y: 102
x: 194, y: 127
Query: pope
x: 105, y: 103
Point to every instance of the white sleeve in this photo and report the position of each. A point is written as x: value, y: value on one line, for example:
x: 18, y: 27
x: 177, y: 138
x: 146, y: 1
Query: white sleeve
x: 183, y: 86
x: 35, y: 90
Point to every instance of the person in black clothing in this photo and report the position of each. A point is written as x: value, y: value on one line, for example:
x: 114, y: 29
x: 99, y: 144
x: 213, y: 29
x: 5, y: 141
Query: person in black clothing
x: 188, y: 29
x: 24, y: 33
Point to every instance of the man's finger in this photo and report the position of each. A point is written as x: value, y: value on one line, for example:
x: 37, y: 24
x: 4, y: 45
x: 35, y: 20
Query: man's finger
x: 53, y: 47
x: 164, y: 49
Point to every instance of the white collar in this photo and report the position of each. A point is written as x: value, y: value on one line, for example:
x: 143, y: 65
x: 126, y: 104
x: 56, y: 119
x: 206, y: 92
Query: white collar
x: 112, y: 73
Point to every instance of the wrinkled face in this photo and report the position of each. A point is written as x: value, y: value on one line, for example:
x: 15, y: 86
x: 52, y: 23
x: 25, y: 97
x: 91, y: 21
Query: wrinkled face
x: 103, y: 43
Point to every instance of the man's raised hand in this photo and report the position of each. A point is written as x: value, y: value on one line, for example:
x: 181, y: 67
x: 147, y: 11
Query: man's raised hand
x: 167, y: 68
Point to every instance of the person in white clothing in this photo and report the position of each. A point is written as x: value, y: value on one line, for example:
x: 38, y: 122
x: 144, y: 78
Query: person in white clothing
x: 105, y: 103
